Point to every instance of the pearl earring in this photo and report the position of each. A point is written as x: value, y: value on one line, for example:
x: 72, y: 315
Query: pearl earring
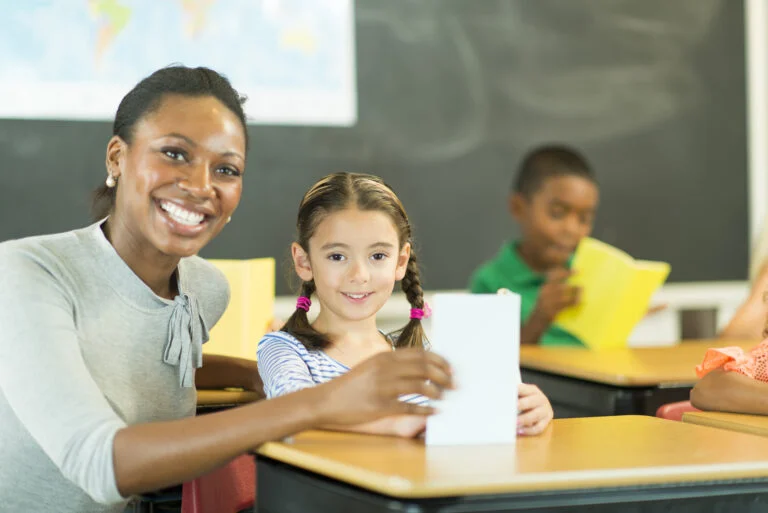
x: 111, y: 182
x: 229, y: 219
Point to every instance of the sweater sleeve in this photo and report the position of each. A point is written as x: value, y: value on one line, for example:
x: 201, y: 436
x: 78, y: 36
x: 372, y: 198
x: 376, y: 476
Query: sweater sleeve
x: 281, y: 366
x: 45, y: 379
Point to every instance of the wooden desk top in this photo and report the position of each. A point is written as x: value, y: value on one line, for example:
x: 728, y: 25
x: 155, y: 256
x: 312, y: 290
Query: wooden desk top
x: 647, y: 366
x: 224, y: 397
x: 572, y: 453
x: 754, y: 424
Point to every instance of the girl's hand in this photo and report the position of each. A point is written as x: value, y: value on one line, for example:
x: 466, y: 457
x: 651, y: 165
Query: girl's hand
x: 409, y: 426
x: 371, y: 390
x: 534, y: 409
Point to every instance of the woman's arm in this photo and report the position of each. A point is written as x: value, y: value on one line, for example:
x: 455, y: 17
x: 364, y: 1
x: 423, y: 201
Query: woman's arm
x: 48, y: 386
x: 727, y: 391
x: 284, y: 371
x: 152, y: 456
x: 228, y: 372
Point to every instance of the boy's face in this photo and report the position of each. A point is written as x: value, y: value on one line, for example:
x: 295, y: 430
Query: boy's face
x: 555, y: 218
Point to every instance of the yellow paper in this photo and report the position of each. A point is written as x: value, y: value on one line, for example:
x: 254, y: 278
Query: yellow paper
x: 615, y: 293
x: 251, y: 306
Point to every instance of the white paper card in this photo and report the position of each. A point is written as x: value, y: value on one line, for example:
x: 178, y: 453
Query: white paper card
x: 479, y: 335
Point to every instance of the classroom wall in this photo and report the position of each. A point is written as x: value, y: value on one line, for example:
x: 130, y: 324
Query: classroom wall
x: 451, y: 94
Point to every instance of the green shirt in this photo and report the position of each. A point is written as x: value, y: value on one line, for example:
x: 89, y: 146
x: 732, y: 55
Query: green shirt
x: 508, y: 270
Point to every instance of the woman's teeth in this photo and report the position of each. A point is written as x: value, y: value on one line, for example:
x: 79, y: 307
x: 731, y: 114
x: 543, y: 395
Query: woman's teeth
x: 182, y: 215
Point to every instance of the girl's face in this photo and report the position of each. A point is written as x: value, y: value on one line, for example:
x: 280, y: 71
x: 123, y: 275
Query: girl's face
x: 181, y: 177
x: 355, y: 259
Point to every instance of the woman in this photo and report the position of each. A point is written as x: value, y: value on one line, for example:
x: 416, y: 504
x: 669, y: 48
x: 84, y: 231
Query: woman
x: 102, y: 327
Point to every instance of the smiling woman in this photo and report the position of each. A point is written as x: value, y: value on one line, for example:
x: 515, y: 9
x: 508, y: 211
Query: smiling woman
x: 103, y: 326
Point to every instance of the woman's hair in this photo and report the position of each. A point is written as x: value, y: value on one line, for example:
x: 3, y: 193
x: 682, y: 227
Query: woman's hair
x: 146, y: 97
x: 337, y: 192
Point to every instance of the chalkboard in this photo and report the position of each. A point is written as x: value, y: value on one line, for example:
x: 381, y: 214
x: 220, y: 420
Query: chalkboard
x: 451, y: 93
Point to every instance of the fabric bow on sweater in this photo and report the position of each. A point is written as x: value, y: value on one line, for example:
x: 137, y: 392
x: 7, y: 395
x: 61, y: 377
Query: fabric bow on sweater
x: 186, y: 335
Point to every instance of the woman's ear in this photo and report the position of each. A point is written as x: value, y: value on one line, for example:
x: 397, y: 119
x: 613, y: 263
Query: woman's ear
x: 402, y: 261
x: 116, y: 149
x: 301, y: 262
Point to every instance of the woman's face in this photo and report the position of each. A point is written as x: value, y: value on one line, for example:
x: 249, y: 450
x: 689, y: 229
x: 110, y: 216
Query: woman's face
x: 180, y: 179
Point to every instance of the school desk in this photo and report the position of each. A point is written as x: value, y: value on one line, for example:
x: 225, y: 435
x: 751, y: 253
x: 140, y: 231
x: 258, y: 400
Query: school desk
x: 754, y: 424
x: 212, y: 400
x: 597, y: 464
x: 584, y: 383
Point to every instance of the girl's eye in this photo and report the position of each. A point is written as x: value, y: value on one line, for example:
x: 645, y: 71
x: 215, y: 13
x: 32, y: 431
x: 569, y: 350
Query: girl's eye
x: 379, y: 256
x: 336, y: 257
x: 175, y: 154
x: 229, y: 171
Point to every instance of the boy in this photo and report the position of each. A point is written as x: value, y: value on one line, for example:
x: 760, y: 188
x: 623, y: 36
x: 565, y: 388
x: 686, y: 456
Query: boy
x: 553, y: 199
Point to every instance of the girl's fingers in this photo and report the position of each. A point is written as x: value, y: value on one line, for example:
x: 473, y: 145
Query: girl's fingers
x: 531, y: 417
x: 536, y: 429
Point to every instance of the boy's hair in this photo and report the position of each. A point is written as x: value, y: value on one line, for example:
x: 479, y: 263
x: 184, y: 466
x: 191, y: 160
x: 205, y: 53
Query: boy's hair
x: 337, y: 192
x: 549, y: 161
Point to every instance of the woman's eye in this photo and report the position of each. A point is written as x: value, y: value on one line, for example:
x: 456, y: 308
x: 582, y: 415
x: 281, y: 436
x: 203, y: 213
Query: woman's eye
x: 229, y: 171
x: 336, y: 257
x: 174, y: 154
x: 379, y: 256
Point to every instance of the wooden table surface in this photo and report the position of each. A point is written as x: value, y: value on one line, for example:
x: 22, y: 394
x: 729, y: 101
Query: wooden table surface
x: 648, y: 366
x: 572, y: 453
x: 754, y: 424
x: 224, y: 397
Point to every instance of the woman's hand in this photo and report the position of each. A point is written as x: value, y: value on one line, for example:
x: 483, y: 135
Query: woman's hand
x: 371, y: 390
x: 535, y: 411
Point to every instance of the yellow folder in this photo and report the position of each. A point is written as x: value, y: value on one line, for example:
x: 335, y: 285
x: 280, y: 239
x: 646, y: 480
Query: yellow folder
x: 251, y: 306
x: 615, y: 293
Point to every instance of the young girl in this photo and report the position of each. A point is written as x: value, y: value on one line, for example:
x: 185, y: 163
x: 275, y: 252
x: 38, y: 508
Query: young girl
x: 354, y: 243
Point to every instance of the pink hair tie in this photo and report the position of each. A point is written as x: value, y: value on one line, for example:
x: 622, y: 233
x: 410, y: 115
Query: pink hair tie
x: 303, y: 303
x: 421, y: 313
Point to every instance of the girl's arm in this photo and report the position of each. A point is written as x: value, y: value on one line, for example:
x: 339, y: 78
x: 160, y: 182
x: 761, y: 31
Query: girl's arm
x: 727, y: 391
x: 405, y: 426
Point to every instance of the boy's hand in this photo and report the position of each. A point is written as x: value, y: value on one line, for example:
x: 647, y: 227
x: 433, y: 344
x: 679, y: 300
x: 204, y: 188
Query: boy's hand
x: 556, y: 294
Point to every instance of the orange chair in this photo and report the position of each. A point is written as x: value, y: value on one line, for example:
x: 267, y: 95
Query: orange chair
x: 229, y: 489
x: 674, y: 411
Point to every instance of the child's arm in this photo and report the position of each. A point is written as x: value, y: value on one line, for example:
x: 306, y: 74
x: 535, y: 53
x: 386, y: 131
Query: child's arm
x: 281, y: 366
x: 226, y: 371
x: 748, y: 321
x: 554, y: 296
x: 727, y: 391
x: 405, y: 426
